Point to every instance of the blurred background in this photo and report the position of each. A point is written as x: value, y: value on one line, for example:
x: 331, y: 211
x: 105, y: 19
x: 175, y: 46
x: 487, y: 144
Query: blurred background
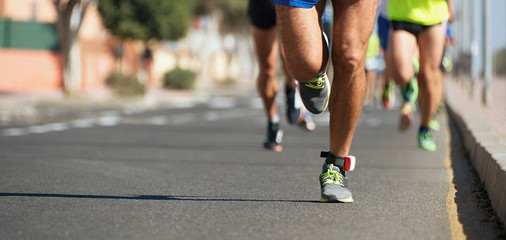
x: 82, y: 46
x: 131, y: 46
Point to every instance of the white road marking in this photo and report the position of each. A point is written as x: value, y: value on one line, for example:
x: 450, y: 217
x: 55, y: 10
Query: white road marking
x: 14, y: 132
x: 222, y: 103
x: 83, y: 123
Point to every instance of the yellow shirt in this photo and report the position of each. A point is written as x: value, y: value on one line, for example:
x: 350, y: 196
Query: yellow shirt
x: 373, y: 47
x: 424, y: 12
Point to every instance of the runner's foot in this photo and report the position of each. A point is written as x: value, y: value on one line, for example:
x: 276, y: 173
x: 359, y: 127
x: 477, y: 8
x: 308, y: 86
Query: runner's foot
x: 295, y: 113
x: 315, y: 93
x: 333, y: 181
x: 305, y: 121
x: 406, y: 116
x: 293, y: 110
x: 274, y: 137
x: 425, y: 141
x: 409, y: 93
x: 434, y: 125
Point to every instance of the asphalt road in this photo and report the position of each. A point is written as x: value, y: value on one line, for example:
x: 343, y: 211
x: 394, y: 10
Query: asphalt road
x: 199, y: 172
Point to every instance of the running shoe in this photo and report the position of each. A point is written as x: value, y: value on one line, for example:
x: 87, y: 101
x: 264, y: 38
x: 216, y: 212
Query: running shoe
x: 434, y: 125
x: 388, y: 97
x: 333, y: 181
x: 406, y: 119
x: 315, y: 93
x: 305, y: 121
x: 274, y: 137
x: 295, y: 113
x: 425, y: 141
x: 293, y: 110
x: 409, y: 94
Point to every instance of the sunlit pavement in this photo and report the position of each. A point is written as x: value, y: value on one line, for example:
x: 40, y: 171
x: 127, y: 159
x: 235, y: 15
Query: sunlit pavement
x: 199, y: 172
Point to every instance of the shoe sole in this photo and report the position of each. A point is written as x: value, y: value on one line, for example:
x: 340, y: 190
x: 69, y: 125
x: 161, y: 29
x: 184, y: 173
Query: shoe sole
x: 275, y: 148
x: 343, y: 200
x: 305, y: 125
x: 428, y: 149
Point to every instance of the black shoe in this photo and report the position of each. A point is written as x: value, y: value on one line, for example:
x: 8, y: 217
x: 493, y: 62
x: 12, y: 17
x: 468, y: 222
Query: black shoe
x: 274, y: 137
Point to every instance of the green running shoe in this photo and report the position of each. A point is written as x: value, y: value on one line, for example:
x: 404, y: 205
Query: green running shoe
x: 426, y: 142
x: 315, y: 93
x: 333, y: 181
x: 409, y: 92
x: 434, y: 125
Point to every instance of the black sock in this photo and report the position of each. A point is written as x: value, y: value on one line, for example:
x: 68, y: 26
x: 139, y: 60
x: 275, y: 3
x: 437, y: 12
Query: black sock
x: 423, y: 129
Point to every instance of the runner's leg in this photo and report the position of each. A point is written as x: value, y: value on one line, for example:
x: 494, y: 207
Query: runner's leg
x: 266, y: 50
x: 302, y: 39
x: 430, y: 78
x: 353, y: 24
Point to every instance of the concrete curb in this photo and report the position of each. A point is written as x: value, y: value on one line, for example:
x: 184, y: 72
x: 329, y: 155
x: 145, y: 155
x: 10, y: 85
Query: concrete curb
x: 487, y: 153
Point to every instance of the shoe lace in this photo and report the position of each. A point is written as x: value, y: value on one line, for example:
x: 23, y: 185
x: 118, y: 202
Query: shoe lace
x: 315, y: 83
x: 332, y: 176
x: 425, y: 137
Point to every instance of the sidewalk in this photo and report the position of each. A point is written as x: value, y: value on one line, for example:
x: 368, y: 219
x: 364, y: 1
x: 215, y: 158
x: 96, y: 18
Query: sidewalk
x: 31, y: 108
x: 483, y: 130
x: 28, y: 108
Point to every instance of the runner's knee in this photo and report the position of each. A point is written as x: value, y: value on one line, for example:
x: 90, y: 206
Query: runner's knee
x: 267, y: 70
x: 305, y: 69
x: 349, y: 60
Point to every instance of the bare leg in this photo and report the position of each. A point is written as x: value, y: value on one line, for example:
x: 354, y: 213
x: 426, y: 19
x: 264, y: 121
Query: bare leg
x: 301, y: 35
x: 402, y: 47
x: 289, y: 80
x: 266, y: 50
x: 431, y: 43
x: 353, y: 24
x: 387, y: 98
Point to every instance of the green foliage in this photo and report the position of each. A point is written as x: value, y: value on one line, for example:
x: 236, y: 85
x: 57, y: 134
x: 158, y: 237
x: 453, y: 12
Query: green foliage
x: 125, y: 85
x: 179, y: 79
x: 147, y: 19
x: 500, y: 62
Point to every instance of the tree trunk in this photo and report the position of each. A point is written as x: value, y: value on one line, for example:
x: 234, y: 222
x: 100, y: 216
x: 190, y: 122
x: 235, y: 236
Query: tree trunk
x: 70, y: 15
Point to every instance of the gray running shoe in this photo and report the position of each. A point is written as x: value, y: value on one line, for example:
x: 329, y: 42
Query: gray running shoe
x: 315, y: 93
x: 333, y: 181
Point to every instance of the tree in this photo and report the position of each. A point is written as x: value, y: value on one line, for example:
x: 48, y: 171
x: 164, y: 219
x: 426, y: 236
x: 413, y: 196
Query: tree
x: 70, y: 15
x: 500, y: 62
x: 147, y: 19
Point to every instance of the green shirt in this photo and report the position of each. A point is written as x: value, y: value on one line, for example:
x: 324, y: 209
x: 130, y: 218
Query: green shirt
x: 424, y: 12
x: 373, y: 47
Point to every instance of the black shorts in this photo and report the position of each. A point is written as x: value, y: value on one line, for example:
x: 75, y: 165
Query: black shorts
x: 262, y: 13
x: 413, y: 28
